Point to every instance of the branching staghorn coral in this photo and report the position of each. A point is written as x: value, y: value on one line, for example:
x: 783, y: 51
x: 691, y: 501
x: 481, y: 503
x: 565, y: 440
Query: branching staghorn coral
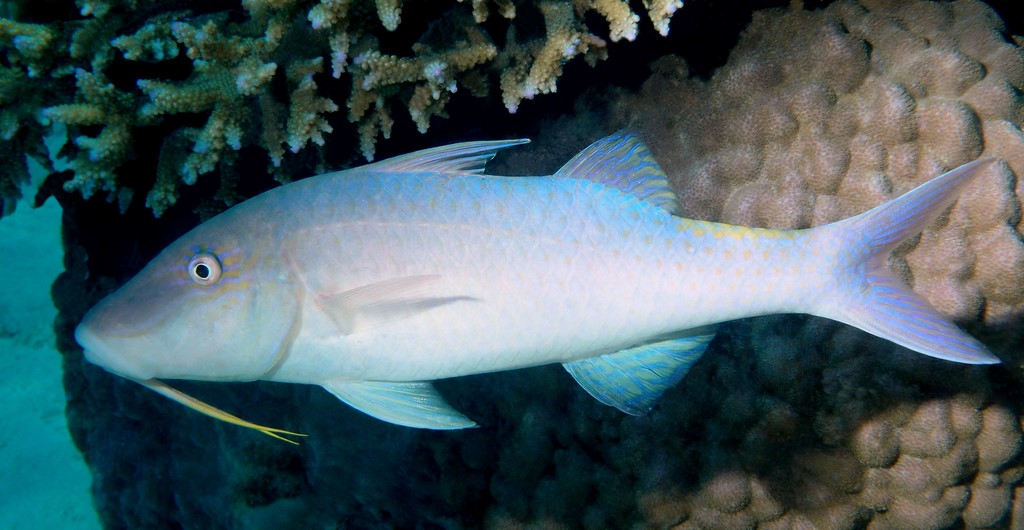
x: 99, y: 104
x: 27, y: 45
x: 534, y: 67
x: 506, y: 8
x: 375, y: 76
x: 228, y: 71
x: 263, y: 76
x: 27, y: 48
x: 660, y: 13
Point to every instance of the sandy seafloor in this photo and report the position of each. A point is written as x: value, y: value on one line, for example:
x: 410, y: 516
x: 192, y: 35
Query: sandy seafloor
x: 45, y: 482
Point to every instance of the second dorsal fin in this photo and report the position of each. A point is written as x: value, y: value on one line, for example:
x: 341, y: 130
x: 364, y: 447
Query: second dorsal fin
x: 623, y: 162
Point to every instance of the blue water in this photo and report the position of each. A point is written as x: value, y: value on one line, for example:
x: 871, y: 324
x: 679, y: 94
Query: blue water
x: 46, y: 483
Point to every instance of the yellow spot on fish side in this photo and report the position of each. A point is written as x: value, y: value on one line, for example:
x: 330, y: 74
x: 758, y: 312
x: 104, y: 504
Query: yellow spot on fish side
x: 747, y: 254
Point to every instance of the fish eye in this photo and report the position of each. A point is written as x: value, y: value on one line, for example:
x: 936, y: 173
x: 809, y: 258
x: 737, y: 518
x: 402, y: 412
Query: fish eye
x: 204, y: 268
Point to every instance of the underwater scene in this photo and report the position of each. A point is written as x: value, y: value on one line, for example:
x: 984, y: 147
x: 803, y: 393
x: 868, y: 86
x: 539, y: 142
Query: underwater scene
x: 512, y: 264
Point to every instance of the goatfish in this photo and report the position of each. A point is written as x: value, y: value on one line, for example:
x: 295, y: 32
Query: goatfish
x: 374, y: 281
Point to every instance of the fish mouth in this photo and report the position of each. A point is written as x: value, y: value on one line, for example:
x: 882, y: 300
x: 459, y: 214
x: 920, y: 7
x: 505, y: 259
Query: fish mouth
x: 118, y: 328
x: 102, y: 354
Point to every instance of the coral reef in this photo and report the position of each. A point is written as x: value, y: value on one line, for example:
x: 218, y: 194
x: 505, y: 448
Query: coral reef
x: 27, y: 49
x: 786, y: 422
x: 823, y: 115
x: 256, y: 77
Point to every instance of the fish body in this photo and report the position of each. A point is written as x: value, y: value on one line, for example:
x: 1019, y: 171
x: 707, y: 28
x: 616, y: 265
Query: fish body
x: 374, y: 281
x: 526, y: 271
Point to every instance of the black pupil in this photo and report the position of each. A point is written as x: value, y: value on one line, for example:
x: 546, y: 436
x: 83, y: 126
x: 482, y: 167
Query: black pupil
x: 202, y: 271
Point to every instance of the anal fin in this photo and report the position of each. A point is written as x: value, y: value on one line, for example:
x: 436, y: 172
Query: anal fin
x: 634, y: 379
x: 412, y: 404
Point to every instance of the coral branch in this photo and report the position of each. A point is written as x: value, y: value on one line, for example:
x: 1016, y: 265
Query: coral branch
x: 240, y: 73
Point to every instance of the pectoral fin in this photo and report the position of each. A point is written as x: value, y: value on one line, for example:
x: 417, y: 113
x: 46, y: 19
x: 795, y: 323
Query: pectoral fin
x: 372, y: 305
x: 413, y: 404
x: 633, y: 380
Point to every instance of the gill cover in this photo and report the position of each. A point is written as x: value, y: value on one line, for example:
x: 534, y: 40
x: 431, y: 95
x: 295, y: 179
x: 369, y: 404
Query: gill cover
x: 242, y: 307
x: 233, y: 321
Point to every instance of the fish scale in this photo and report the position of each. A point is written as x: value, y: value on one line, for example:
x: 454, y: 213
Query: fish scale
x: 436, y: 240
x: 374, y: 281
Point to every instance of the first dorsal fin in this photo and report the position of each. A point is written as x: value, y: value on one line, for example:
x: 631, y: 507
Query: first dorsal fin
x: 461, y: 158
x: 623, y: 162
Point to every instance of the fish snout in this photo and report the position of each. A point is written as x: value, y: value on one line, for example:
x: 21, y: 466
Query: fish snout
x: 101, y: 351
x: 136, y: 309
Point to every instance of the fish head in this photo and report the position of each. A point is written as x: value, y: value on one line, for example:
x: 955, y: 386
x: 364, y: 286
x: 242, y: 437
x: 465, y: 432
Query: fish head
x: 215, y: 305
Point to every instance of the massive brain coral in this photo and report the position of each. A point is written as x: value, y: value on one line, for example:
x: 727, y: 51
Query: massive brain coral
x: 817, y: 116
x: 820, y: 115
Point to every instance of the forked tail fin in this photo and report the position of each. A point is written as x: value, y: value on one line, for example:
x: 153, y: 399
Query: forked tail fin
x: 873, y: 299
